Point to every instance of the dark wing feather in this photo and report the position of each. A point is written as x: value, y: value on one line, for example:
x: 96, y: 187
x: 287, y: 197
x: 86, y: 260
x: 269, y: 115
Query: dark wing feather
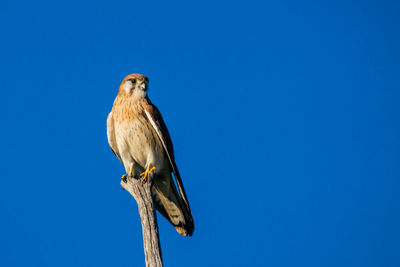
x: 155, y: 118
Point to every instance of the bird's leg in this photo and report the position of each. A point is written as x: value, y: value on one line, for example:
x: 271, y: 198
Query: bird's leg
x: 144, y: 175
x: 124, y: 177
x: 130, y: 170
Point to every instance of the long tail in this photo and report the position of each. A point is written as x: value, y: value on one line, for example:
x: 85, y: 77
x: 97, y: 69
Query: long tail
x: 170, y: 204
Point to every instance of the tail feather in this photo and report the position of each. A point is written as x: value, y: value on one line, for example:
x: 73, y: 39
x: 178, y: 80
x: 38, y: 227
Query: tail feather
x: 170, y: 204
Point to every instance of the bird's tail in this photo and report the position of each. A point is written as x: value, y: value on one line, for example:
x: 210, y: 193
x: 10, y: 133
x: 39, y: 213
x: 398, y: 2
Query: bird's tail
x: 170, y: 204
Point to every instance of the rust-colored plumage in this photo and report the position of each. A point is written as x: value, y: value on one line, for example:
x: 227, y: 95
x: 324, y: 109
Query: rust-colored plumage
x: 139, y: 137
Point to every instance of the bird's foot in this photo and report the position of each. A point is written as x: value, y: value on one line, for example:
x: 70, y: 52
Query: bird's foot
x: 145, y: 175
x: 125, y: 177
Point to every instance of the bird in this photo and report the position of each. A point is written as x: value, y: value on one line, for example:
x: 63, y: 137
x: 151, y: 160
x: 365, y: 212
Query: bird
x: 138, y: 136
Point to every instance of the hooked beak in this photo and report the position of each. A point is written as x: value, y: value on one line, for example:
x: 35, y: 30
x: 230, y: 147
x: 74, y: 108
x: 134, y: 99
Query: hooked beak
x: 142, y: 85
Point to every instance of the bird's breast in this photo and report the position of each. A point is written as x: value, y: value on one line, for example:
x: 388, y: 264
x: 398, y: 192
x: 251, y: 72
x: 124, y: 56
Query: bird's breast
x: 137, y: 140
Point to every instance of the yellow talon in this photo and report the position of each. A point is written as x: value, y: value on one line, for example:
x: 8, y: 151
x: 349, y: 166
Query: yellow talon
x: 146, y: 173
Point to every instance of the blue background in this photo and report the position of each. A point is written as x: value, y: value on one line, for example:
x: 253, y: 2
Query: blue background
x: 284, y: 117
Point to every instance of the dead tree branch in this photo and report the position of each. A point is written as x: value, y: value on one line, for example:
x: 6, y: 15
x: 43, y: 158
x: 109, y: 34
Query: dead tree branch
x: 151, y: 242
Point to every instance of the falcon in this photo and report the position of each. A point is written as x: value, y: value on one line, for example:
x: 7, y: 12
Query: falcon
x: 140, y: 139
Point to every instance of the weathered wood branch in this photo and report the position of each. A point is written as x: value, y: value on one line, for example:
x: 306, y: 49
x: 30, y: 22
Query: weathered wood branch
x: 151, y: 242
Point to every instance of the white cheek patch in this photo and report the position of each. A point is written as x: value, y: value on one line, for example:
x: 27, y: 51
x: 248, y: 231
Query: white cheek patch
x: 127, y: 87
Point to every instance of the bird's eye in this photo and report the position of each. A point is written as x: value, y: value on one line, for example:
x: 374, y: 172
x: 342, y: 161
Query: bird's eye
x: 133, y: 81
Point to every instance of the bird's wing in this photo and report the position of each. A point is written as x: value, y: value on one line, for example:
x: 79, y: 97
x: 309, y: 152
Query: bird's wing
x: 111, y: 135
x: 156, y: 120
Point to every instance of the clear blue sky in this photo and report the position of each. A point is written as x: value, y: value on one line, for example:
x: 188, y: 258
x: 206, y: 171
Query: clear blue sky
x: 284, y: 117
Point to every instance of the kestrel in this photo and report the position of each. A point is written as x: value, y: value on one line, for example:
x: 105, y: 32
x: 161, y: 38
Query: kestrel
x: 140, y: 139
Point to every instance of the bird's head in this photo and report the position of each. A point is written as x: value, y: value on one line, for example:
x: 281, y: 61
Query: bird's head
x: 134, y: 84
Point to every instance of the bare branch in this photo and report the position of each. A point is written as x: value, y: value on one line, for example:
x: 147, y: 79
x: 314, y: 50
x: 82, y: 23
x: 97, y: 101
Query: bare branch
x: 151, y: 242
